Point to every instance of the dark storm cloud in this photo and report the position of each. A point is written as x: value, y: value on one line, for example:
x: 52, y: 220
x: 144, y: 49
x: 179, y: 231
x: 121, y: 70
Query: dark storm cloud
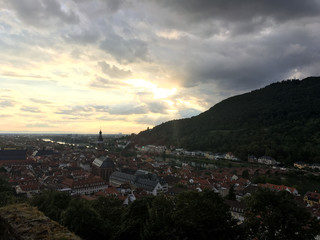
x: 40, y: 13
x: 235, y: 11
x: 242, y: 65
x: 125, y: 50
x: 113, y: 71
x: 238, y: 46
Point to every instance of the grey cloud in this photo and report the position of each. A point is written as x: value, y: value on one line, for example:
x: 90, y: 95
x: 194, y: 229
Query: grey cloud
x: 73, y: 118
x: 125, y: 50
x: 244, y: 63
x: 30, y: 109
x: 154, y: 106
x: 41, y: 13
x: 13, y: 74
x: 87, y: 110
x: 76, y: 110
x: 6, y: 103
x: 41, y: 101
x: 152, y: 120
x: 157, y: 106
x: 113, y: 71
x: 100, y: 82
x: 128, y: 109
x: 83, y: 36
x: 189, y: 112
x: 113, y: 5
x: 90, y: 110
x: 39, y: 125
x: 112, y: 118
x: 207, y: 18
x: 234, y: 10
x: 101, y: 108
x: 87, y: 38
x: 95, y: 7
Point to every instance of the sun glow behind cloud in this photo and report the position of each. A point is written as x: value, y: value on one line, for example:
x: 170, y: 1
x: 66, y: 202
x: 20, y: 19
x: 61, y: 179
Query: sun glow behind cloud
x: 73, y: 66
x: 144, y: 85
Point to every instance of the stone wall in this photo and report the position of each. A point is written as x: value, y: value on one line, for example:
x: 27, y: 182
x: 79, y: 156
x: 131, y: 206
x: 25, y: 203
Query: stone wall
x: 22, y: 221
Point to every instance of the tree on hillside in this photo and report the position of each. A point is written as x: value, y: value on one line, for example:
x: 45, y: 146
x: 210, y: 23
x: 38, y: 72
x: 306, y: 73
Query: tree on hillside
x: 276, y: 216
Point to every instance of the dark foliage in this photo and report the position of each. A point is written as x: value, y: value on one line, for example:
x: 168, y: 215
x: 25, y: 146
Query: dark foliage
x: 81, y: 218
x: 6, y: 194
x: 276, y: 216
x: 281, y: 120
x: 52, y: 203
x: 190, y: 215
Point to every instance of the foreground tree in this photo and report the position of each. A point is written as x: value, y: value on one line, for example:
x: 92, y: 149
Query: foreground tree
x: 276, y: 216
x: 6, y: 194
x: 231, y: 194
x: 52, y: 203
x: 81, y: 218
x: 133, y: 219
x: 204, y: 216
x: 159, y: 223
x: 110, y: 209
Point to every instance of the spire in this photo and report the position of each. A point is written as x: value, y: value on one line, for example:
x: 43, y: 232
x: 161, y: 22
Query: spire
x: 100, y: 139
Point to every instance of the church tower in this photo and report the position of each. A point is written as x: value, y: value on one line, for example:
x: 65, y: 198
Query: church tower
x: 100, y: 145
x: 102, y: 165
x: 100, y: 139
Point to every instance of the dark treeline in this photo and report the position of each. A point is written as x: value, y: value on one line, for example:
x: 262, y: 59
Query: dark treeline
x: 281, y: 120
x: 190, y: 215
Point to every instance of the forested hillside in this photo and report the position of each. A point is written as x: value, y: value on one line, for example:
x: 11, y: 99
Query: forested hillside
x: 281, y: 120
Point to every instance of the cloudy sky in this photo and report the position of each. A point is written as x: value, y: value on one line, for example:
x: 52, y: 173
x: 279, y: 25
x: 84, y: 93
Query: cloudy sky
x: 125, y: 65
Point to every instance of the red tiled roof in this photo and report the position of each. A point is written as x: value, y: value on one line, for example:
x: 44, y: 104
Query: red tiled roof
x: 313, y: 195
x: 278, y: 187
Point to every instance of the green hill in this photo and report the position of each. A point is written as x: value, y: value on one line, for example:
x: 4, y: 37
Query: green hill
x: 281, y: 120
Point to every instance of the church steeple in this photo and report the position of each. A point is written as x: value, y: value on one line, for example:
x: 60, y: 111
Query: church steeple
x: 100, y: 139
x: 100, y: 145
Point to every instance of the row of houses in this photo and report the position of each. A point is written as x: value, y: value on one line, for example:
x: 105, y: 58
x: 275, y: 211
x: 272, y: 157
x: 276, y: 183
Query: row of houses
x: 263, y: 160
x: 152, y: 149
x: 147, y: 181
x: 302, y: 165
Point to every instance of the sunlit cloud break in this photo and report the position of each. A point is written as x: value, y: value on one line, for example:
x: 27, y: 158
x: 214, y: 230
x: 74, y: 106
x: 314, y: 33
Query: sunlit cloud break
x: 73, y: 66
